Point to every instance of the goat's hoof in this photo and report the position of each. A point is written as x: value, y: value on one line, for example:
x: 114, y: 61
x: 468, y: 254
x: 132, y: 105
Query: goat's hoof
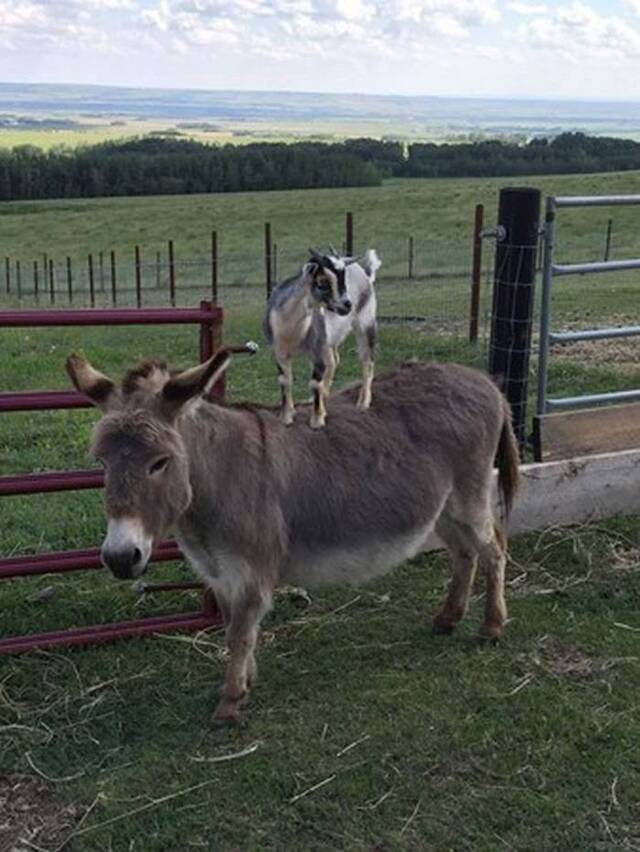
x: 317, y: 422
x: 288, y: 418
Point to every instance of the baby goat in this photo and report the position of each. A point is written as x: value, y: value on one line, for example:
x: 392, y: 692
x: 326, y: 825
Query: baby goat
x: 313, y: 312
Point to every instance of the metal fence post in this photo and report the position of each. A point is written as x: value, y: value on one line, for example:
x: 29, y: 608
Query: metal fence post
x: 410, y: 259
x: 267, y: 256
x: 36, y: 286
x: 52, y: 283
x: 514, y: 277
x: 114, y: 294
x: 69, y: 280
x: 92, y: 285
x: 607, y: 243
x: 138, y: 279
x: 545, y: 304
x: 476, y: 273
x: 18, y: 279
x: 172, y: 276
x: 7, y: 274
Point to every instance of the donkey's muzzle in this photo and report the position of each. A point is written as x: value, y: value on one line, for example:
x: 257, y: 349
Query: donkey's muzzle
x: 124, y: 563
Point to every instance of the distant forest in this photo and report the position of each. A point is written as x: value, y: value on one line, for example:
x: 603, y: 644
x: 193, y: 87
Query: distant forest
x: 163, y: 166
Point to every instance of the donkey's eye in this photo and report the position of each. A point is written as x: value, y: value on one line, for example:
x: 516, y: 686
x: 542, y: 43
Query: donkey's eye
x: 159, y: 464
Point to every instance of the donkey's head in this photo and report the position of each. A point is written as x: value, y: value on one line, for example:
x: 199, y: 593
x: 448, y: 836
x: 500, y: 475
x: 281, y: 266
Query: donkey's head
x: 147, y: 486
x: 327, y: 274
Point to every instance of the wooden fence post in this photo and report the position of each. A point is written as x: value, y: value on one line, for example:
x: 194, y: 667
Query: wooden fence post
x: 36, y: 283
x: 172, y: 276
x: 514, y: 276
x: 267, y: 256
x: 114, y: 293
x: 69, y: 280
x: 476, y: 273
x: 214, y: 267
x: 348, y: 243
x: 92, y: 284
x: 138, y: 279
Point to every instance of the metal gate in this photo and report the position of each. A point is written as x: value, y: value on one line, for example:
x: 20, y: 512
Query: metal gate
x: 552, y: 270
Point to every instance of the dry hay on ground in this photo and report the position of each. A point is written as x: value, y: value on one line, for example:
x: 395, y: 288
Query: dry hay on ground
x: 31, y: 816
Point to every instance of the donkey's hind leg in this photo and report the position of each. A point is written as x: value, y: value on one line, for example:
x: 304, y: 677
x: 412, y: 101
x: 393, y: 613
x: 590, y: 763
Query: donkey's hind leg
x: 465, y: 562
x: 475, y: 537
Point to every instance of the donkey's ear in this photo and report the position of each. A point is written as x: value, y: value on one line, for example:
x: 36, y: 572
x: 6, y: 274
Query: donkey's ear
x: 182, y: 387
x: 89, y: 381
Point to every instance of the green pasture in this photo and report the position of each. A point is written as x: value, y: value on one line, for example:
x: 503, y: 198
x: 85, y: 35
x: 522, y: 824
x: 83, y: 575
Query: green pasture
x: 364, y: 732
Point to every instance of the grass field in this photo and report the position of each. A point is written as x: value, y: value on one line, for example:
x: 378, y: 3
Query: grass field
x: 364, y: 731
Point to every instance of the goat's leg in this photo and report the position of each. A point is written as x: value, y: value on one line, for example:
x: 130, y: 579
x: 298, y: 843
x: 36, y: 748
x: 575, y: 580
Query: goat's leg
x: 242, y: 635
x: 318, y: 389
x: 333, y: 359
x: 285, y: 379
x: 366, y: 338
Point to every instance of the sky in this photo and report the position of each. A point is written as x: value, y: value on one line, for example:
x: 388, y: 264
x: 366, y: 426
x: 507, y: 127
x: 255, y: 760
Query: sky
x: 588, y: 49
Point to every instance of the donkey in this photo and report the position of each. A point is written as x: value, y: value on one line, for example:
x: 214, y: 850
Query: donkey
x: 254, y: 504
x: 313, y: 312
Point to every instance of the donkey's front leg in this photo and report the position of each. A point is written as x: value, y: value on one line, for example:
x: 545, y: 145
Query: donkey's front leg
x: 319, y: 391
x: 247, y: 611
x: 285, y: 379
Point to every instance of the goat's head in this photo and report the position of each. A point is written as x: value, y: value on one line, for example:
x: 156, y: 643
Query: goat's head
x: 147, y: 483
x: 326, y: 274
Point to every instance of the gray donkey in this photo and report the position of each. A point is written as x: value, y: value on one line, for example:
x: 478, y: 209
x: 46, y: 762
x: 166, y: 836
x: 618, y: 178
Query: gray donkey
x: 254, y: 504
x: 313, y: 312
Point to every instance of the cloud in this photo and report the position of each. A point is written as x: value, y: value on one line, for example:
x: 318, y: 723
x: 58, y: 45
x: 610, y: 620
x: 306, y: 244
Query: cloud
x: 528, y: 8
x: 577, y: 28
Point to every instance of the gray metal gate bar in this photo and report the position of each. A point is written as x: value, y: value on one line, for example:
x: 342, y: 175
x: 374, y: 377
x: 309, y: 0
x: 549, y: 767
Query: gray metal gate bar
x: 594, y: 334
x: 594, y: 200
x: 549, y: 338
x: 597, y: 266
x: 589, y: 399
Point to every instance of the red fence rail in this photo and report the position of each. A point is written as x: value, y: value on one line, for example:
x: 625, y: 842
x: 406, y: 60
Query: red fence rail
x: 209, y: 318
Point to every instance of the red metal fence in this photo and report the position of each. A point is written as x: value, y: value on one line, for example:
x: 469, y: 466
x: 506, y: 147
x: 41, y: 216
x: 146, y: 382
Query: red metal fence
x: 209, y: 319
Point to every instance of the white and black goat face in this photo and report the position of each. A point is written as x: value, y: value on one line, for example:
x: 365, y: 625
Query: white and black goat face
x: 328, y: 285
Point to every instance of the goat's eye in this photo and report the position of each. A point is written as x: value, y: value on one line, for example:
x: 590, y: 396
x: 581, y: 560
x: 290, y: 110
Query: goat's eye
x: 159, y: 465
x: 325, y: 286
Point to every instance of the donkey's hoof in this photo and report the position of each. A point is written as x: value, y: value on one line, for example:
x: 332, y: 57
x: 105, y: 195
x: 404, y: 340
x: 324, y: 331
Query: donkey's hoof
x: 226, y: 714
x: 442, y: 628
x: 490, y: 635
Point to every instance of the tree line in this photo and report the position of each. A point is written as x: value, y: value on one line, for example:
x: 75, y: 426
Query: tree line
x: 163, y: 166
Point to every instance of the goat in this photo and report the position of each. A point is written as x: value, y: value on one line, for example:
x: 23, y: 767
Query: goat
x: 313, y: 312
x: 254, y: 503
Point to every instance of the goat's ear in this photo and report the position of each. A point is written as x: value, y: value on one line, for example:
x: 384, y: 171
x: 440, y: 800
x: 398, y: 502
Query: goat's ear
x: 311, y: 269
x: 182, y: 387
x: 349, y: 260
x: 100, y: 389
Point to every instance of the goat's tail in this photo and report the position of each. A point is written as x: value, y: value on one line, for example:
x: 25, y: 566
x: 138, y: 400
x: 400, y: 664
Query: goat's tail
x: 508, y: 461
x: 371, y: 263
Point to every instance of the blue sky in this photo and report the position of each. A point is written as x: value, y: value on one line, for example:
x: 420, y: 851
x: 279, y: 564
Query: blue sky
x: 528, y: 48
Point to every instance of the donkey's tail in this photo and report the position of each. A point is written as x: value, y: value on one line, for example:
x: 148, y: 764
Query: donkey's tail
x: 508, y: 462
x: 371, y: 263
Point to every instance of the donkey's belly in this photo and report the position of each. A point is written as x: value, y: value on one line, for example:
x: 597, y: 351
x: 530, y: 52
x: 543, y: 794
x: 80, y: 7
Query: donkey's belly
x: 354, y: 564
